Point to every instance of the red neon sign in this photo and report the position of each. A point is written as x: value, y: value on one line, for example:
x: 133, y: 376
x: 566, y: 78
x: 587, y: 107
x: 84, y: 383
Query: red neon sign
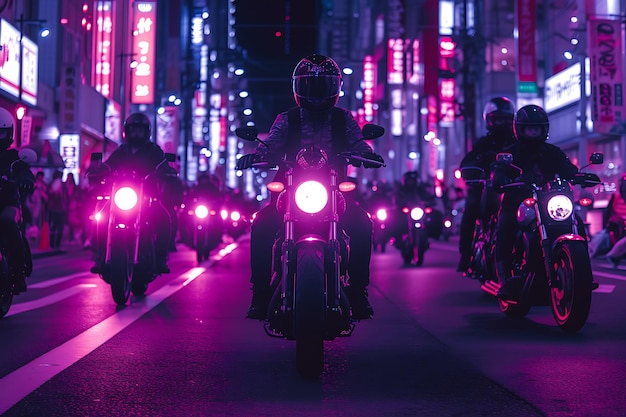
x: 104, y: 48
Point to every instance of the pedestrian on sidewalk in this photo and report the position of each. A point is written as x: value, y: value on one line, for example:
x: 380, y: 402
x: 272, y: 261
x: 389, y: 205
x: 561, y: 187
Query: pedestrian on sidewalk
x: 58, y: 205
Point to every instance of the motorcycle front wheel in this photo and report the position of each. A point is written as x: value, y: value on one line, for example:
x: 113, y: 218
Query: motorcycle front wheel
x: 309, y: 310
x: 121, y: 274
x: 571, y: 294
x: 6, y: 294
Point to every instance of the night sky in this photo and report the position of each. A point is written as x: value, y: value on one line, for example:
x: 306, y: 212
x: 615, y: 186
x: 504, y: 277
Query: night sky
x: 272, y: 51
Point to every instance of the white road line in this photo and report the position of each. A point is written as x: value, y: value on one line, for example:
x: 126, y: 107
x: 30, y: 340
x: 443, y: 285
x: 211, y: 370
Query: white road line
x: 604, y: 288
x: 55, y: 281
x: 21, y: 382
x: 46, y: 301
x: 618, y: 276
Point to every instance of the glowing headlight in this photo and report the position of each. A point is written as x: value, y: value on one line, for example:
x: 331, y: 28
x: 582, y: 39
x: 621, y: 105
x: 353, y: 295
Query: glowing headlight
x: 560, y: 207
x: 417, y: 213
x: 235, y: 216
x: 125, y: 198
x: 381, y: 214
x: 311, y: 197
x: 201, y: 211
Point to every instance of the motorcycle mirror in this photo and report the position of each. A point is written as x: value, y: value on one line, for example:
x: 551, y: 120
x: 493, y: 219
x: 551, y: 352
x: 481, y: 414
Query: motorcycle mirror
x: 505, y: 157
x: 371, y: 131
x: 248, y: 133
x: 596, y: 158
x: 96, y: 156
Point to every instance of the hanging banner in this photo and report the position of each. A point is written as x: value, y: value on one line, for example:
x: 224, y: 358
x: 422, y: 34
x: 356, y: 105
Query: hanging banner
x: 607, y: 74
x: 144, y: 39
x: 526, y: 46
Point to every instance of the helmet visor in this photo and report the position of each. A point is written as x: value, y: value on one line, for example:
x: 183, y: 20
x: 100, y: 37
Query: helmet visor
x: 317, y: 87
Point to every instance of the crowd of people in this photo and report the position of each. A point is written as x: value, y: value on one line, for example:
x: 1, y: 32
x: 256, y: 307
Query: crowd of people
x: 57, y: 211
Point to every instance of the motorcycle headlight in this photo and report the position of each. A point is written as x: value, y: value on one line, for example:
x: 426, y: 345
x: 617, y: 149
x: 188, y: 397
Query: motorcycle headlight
x: 381, y: 214
x: 201, y: 211
x: 311, y: 197
x: 560, y: 207
x: 417, y: 213
x: 125, y: 198
x: 235, y: 216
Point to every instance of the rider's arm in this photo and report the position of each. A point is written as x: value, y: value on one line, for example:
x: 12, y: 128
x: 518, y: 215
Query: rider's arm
x: 354, y: 135
x: 277, y: 138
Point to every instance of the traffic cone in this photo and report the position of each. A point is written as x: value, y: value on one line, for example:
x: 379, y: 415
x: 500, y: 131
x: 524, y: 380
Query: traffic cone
x: 44, y: 238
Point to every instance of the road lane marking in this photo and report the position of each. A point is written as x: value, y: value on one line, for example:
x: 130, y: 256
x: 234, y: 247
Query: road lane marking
x: 55, y: 281
x: 21, y: 382
x: 18, y: 308
x: 609, y: 275
x: 604, y: 288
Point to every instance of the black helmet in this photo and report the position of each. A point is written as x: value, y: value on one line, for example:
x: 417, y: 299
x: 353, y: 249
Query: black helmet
x: 6, y: 129
x: 531, y: 116
x: 498, y: 115
x: 316, y: 83
x: 137, y: 129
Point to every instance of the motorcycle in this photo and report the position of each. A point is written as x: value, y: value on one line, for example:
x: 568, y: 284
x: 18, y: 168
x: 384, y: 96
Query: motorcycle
x: 6, y: 288
x: 382, y: 231
x: 482, y: 261
x: 550, y: 255
x: 423, y: 221
x: 309, y: 302
x: 208, y: 227
x: 130, y: 259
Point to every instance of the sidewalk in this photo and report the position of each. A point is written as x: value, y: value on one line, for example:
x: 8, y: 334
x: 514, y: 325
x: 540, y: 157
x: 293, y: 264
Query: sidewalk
x: 65, y: 247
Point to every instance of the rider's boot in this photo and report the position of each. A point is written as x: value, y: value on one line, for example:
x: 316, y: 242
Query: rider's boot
x: 464, y: 262
x: 510, y: 287
x: 358, y: 297
x: 260, y: 302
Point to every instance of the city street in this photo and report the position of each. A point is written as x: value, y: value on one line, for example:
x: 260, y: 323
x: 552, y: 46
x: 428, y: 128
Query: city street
x: 437, y: 346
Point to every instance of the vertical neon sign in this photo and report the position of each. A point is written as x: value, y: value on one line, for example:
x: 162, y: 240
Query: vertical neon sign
x: 104, y: 48
x: 144, y: 39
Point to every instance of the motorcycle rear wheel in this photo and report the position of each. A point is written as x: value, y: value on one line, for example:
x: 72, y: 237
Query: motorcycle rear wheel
x: 309, y: 310
x: 571, y: 296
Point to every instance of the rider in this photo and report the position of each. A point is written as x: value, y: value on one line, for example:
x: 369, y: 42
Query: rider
x: 316, y: 84
x: 539, y: 162
x: 498, y: 115
x: 19, y: 179
x: 137, y: 152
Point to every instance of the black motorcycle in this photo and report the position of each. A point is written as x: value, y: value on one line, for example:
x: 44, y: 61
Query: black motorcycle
x: 550, y: 252
x: 6, y: 286
x: 130, y: 259
x: 482, y: 261
x: 309, y: 304
x: 423, y: 222
x: 208, y: 226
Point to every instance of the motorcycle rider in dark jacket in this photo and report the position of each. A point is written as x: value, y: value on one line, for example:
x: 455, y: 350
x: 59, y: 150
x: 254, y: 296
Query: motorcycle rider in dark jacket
x: 540, y: 162
x: 21, y: 180
x: 141, y: 155
x: 316, y: 84
x: 498, y: 115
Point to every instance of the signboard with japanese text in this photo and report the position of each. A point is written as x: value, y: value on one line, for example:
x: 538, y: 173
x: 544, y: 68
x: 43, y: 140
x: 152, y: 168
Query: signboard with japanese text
x: 606, y: 73
x: 103, y: 48
x: 69, y: 148
x: 167, y: 130
x: 144, y: 40
x: 68, y: 99
x: 10, y: 65
x: 526, y: 44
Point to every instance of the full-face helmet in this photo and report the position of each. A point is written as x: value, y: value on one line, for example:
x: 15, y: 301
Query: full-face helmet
x: 7, y: 124
x: 531, y: 125
x: 137, y: 129
x: 498, y: 115
x: 316, y: 83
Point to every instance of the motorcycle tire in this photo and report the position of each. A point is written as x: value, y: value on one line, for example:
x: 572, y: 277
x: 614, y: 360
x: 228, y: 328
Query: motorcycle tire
x: 571, y: 296
x: 520, y: 269
x: 6, y: 294
x: 121, y: 271
x: 309, y: 310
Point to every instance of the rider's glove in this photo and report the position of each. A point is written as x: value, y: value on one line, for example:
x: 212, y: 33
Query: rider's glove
x: 248, y: 160
x: 372, y: 156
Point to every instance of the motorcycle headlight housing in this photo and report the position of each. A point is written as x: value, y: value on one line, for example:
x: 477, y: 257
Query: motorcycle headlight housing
x: 125, y: 198
x: 417, y: 213
x: 311, y: 197
x: 560, y: 207
x: 201, y: 211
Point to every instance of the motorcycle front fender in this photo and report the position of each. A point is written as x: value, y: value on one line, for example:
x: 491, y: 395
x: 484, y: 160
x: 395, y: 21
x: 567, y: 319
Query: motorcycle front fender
x: 566, y: 237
